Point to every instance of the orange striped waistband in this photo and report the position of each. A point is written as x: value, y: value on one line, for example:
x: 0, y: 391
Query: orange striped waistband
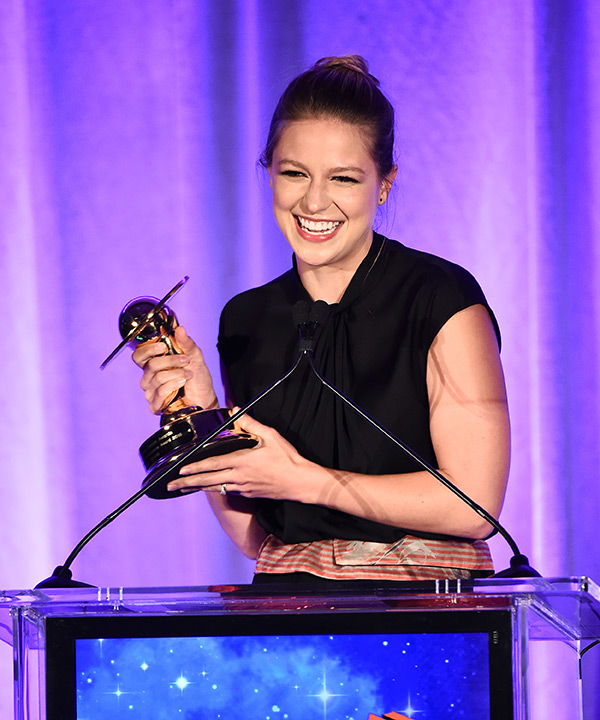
x: 411, y: 558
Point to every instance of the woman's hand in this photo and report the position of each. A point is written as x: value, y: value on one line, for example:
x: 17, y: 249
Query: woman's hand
x: 469, y: 430
x: 272, y: 469
x: 470, y: 433
x: 165, y: 374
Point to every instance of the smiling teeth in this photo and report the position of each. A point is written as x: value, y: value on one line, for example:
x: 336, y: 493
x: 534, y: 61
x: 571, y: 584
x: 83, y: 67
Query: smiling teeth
x: 317, y: 227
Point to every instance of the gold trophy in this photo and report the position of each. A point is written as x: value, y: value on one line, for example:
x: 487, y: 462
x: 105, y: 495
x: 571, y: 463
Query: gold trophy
x: 182, y: 428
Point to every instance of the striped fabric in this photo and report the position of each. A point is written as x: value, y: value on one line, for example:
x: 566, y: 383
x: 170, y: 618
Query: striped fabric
x: 411, y: 558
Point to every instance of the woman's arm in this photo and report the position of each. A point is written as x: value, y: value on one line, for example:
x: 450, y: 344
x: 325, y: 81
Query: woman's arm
x: 470, y: 432
x: 236, y: 516
x: 162, y: 377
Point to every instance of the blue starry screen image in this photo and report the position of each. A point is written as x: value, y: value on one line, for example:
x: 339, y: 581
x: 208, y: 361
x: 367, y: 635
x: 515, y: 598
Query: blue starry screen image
x: 293, y: 677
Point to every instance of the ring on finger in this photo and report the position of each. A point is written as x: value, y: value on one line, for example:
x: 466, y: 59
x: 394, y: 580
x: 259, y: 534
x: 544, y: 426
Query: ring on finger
x: 223, y: 490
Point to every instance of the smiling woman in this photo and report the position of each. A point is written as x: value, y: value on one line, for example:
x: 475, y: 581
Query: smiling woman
x: 407, y: 335
x: 326, y: 190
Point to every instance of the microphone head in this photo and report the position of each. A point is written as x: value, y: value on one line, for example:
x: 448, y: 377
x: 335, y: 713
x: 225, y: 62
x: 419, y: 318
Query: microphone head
x: 308, y: 318
x: 319, y: 312
x: 300, y: 313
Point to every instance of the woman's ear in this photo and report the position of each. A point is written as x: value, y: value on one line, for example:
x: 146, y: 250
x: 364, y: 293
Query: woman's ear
x: 386, y: 184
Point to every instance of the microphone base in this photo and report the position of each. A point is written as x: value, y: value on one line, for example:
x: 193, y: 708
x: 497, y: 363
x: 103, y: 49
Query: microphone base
x: 519, y: 568
x: 62, y: 578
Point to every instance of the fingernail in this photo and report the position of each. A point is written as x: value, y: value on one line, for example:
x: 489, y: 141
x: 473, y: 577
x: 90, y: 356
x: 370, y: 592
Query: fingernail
x: 184, y: 470
x: 171, y: 486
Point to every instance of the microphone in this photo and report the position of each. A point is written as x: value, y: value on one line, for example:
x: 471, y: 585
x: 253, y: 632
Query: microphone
x: 308, y: 320
x: 300, y: 313
x: 308, y: 317
x: 62, y: 575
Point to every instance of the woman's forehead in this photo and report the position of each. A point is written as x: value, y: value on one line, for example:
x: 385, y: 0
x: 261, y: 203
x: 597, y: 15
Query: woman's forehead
x: 325, y: 137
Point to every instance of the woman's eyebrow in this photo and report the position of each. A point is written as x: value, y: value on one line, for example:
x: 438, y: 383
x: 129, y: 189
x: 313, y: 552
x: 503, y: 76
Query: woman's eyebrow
x: 348, y: 168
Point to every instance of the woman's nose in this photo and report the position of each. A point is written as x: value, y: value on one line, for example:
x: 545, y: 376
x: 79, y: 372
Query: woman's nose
x: 316, y: 198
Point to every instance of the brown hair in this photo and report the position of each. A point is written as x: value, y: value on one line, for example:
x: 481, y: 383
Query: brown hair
x: 340, y: 88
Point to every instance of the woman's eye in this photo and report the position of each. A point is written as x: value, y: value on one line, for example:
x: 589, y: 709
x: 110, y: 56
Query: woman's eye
x: 292, y: 173
x: 345, y: 179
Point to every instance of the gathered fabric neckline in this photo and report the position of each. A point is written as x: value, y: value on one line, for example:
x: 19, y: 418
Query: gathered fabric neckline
x: 367, y: 273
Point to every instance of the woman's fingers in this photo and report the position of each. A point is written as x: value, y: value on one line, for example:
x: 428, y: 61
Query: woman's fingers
x: 207, y: 481
x: 163, y: 369
x: 148, y: 350
x: 210, y: 473
x: 185, y: 342
x: 162, y: 378
x: 164, y: 374
x: 248, y: 424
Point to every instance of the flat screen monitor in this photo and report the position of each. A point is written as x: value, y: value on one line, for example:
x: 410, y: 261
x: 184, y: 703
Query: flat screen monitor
x: 428, y: 665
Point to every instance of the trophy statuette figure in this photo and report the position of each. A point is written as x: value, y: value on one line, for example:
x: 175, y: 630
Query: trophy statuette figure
x: 148, y: 319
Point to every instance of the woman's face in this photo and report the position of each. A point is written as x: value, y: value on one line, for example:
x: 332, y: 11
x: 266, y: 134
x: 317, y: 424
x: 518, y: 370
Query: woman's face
x: 326, y: 190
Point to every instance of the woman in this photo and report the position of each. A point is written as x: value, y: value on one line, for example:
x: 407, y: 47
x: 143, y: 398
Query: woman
x: 407, y: 335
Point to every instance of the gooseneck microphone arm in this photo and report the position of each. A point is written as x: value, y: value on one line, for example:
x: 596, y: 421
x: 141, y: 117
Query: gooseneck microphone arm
x: 519, y: 564
x: 308, y: 319
x: 61, y: 577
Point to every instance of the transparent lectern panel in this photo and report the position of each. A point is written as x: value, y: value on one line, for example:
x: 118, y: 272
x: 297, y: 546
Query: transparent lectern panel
x: 70, y: 644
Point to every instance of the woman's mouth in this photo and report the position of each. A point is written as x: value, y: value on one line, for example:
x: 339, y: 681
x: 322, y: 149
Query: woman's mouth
x: 317, y: 230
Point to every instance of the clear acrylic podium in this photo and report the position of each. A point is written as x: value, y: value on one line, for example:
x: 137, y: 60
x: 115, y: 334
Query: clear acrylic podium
x: 436, y: 649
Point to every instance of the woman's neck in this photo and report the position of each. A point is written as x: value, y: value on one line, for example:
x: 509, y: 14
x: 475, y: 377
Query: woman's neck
x: 325, y: 283
x: 328, y: 282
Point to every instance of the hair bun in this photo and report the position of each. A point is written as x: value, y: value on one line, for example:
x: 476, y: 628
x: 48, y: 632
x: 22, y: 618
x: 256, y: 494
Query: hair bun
x: 349, y: 63
x: 339, y: 88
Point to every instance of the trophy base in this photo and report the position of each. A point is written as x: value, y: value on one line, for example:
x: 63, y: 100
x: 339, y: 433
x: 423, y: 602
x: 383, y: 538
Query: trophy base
x: 181, y: 431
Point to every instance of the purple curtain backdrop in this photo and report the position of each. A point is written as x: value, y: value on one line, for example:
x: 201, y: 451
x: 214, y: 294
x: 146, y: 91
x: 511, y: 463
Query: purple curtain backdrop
x: 129, y: 134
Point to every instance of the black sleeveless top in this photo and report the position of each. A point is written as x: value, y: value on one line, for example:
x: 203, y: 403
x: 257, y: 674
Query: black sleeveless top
x: 373, y: 346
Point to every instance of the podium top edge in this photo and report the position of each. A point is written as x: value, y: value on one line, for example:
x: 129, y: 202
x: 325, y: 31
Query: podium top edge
x: 576, y: 585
